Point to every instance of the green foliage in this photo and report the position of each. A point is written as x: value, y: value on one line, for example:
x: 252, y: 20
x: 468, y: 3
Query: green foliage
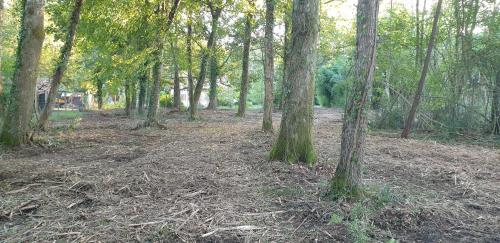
x: 64, y: 115
x: 331, y: 83
x: 166, y: 100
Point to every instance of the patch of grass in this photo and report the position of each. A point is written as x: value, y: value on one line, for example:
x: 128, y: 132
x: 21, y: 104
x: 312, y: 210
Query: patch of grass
x: 65, y: 115
x: 369, y: 202
x: 335, y: 219
x: 286, y: 192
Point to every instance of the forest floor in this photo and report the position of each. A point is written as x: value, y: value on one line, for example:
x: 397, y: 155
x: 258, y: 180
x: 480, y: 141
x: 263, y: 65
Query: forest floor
x: 95, y: 178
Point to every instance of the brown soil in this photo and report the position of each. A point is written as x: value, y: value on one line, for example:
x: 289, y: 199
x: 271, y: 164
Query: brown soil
x: 209, y: 181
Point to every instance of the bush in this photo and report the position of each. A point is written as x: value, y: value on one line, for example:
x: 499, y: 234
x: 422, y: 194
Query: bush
x: 166, y: 100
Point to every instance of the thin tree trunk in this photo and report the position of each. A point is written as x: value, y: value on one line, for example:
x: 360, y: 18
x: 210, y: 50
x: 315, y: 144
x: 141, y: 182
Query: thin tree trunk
x: 417, y: 49
x: 1, y: 77
x: 158, y: 67
x: 246, y: 61
x: 215, y: 12
x: 128, y: 98
x: 295, y: 141
x: 133, y: 101
x: 16, y: 128
x: 100, y: 93
x: 143, y: 84
x: 286, y: 47
x: 62, y: 64
x: 192, y: 104
x: 212, y: 105
x: 420, y: 89
x: 495, y: 106
x: 347, y: 176
x: 267, y: 123
x: 177, y: 80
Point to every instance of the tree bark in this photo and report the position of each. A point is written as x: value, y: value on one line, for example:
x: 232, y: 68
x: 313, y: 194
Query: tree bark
x: 417, y: 49
x: 100, y: 93
x: 215, y: 12
x: 128, y: 98
x: 158, y: 67
x: 495, y: 106
x: 212, y: 105
x: 192, y: 103
x: 61, y: 65
x: 133, y: 96
x: 143, y: 84
x: 1, y: 77
x: 347, y: 178
x: 177, y: 80
x: 267, y: 123
x: 246, y: 61
x: 16, y: 128
x: 295, y: 142
x: 420, y: 89
x: 286, y: 47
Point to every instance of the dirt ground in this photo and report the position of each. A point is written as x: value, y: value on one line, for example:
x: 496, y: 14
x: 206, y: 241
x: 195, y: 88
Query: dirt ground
x: 98, y: 179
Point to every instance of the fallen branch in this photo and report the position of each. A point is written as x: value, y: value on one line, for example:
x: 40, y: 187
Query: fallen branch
x: 243, y: 227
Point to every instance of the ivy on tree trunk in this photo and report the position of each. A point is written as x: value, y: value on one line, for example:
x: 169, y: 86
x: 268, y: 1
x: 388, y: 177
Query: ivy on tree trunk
x: 16, y: 128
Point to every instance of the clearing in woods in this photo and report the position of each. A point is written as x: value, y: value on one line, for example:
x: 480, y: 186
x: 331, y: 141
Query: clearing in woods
x: 97, y: 179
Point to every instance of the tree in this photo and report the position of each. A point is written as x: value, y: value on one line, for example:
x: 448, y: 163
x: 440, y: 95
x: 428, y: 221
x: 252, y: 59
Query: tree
x: 212, y: 105
x: 177, y: 79
x: 423, y: 76
x: 348, y: 173
x: 247, y: 38
x: 62, y: 64
x: 495, y: 107
x: 1, y: 76
x: 213, y: 58
x: 295, y: 138
x: 143, y: 83
x: 158, y: 65
x: 189, y: 37
x: 16, y: 128
x: 267, y: 123
x: 215, y: 11
x: 286, y: 47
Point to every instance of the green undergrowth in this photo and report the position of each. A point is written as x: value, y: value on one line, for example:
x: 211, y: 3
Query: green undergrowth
x: 366, y: 206
x: 65, y: 115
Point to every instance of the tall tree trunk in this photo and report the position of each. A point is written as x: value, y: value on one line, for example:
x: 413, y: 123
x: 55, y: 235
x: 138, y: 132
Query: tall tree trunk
x: 246, y: 61
x: 128, y: 98
x: 215, y: 12
x: 177, y: 79
x: 1, y: 76
x: 143, y: 84
x: 417, y: 49
x: 192, y: 104
x: 155, y: 90
x: 158, y: 66
x: 420, y: 89
x: 133, y: 101
x: 347, y: 176
x: 295, y: 139
x: 286, y: 48
x: 212, y: 105
x: 495, y: 106
x: 100, y: 93
x: 267, y: 123
x: 16, y: 128
x: 62, y: 64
